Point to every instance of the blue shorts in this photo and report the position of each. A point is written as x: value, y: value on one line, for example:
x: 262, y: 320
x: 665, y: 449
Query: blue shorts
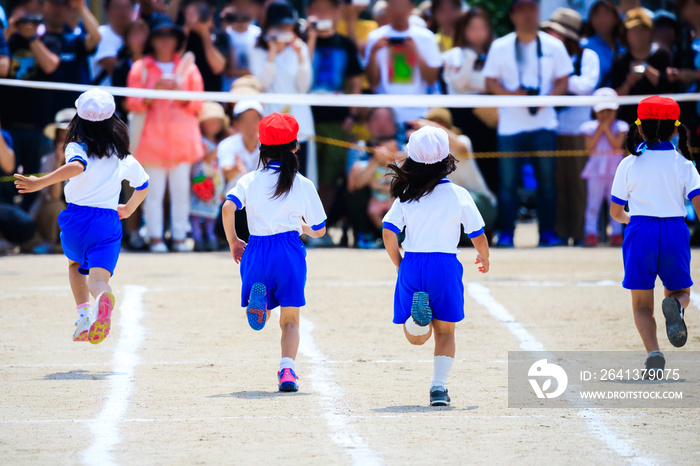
x: 436, y: 273
x: 656, y: 246
x: 279, y: 262
x: 91, y: 236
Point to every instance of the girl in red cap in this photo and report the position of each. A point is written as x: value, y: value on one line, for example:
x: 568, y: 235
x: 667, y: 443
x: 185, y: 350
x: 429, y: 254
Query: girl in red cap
x: 654, y: 182
x: 280, y: 205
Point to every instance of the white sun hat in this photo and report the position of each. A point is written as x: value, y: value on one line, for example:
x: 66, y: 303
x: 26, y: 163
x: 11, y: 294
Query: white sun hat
x: 95, y: 105
x: 428, y: 145
x: 605, y: 92
x: 245, y: 105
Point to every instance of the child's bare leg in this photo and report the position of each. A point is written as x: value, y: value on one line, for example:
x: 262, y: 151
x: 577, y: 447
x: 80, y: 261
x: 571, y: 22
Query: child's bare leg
x: 289, y: 323
x: 99, y: 281
x: 683, y: 296
x: 444, y: 338
x: 78, y: 283
x: 417, y: 339
x: 643, y: 306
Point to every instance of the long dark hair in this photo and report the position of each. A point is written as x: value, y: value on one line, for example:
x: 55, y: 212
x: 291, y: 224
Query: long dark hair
x: 463, y: 22
x: 413, y: 180
x: 103, y: 138
x: 289, y: 164
x: 619, y: 28
x: 657, y: 131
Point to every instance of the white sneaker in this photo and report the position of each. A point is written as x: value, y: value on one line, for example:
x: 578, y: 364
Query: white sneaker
x: 82, y: 325
x: 181, y: 246
x: 159, y: 248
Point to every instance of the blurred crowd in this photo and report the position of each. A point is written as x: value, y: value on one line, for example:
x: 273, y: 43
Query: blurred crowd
x: 195, y: 151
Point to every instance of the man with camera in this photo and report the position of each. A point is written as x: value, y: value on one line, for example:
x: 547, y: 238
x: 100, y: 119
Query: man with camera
x: 527, y: 62
x: 210, y: 47
x: 402, y: 58
x: 120, y: 15
x: 237, y: 20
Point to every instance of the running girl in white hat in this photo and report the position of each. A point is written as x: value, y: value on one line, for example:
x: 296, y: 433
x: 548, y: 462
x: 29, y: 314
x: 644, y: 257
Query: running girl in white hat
x: 429, y: 296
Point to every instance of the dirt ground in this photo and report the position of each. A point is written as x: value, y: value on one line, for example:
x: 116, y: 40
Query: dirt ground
x: 190, y: 383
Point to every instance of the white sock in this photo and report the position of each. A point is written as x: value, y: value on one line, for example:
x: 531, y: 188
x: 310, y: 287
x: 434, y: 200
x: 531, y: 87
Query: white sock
x: 416, y: 330
x: 288, y: 363
x: 442, y: 365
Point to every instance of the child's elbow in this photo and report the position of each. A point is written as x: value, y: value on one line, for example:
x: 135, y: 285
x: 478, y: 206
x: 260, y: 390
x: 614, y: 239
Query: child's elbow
x: 319, y: 233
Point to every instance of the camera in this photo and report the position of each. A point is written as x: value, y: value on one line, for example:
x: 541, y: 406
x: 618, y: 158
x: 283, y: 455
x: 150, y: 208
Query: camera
x: 322, y: 25
x: 396, y: 40
x: 30, y: 19
x: 236, y: 18
x: 532, y: 91
x: 639, y: 69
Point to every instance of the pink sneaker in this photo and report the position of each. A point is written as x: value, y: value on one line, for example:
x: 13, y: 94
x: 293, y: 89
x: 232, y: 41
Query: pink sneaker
x: 288, y: 380
x: 103, y: 318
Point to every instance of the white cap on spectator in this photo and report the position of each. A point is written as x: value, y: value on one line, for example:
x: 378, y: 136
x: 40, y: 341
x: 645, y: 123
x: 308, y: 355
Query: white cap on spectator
x: 245, y: 105
x: 428, y: 145
x: 605, y: 92
x: 95, y: 105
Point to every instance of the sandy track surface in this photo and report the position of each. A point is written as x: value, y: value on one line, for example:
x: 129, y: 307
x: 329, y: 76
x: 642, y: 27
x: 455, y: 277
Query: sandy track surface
x: 182, y: 379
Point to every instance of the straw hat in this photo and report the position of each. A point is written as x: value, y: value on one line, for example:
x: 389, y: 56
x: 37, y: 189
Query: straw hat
x: 212, y: 110
x: 442, y: 116
x: 637, y: 17
x: 246, y: 85
x: 60, y: 121
x: 565, y: 22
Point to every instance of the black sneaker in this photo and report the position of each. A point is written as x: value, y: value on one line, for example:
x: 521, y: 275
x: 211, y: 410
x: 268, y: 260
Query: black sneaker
x: 655, y: 363
x: 420, y: 309
x: 675, y: 326
x: 439, y: 396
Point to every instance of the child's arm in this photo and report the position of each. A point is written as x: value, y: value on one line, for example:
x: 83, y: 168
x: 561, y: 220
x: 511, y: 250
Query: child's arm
x: 696, y: 205
x: 481, y: 244
x: 616, y: 140
x: 307, y: 230
x: 31, y: 184
x: 592, y: 140
x: 391, y: 243
x: 237, y: 245
x: 617, y: 212
x: 126, y: 210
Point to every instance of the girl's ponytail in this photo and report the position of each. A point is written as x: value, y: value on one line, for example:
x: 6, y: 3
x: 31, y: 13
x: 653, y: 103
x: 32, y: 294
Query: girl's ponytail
x: 289, y: 164
x: 633, y: 140
x: 683, y: 143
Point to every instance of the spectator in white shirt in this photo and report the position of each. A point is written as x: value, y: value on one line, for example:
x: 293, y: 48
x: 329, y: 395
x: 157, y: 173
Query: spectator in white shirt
x: 527, y: 62
x: 281, y: 62
x: 120, y: 14
x: 242, y: 34
x: 565, y: 25
x: 401, y: 58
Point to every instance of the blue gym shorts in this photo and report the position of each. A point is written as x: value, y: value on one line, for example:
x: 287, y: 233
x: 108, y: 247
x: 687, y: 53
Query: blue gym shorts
x: 656, y: 246
x: 91, y: 236
x: 436, y: 273
x: 279, y: 262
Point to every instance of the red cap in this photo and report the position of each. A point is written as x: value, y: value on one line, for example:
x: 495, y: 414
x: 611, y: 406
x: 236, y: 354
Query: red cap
x: 278, y: 128
x: 658, y: 108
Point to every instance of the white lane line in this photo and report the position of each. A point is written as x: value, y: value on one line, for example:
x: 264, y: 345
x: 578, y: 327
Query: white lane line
x: 332, y: 400
x: 595, y: 421
x: 105, y: 427
x: 548, y: 283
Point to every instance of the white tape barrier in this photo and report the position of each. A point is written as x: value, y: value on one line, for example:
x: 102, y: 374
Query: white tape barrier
x: 357, y: 100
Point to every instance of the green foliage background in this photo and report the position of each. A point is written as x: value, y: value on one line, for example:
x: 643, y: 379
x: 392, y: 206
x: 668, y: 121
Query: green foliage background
x: 498, y: 9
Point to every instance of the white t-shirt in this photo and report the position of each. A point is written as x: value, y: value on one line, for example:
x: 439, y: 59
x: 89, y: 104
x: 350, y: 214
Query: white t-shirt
x: 571, y: 118
x: 100, y: 182
x: 242, y: 43
x: 433, y: 222
x: 656, y: 183
x: 502, y: 64
x: 166, y: 68
x: 397, y: 78
x: 233, y: 148
x: 270, y: 216
x: 109, y: 46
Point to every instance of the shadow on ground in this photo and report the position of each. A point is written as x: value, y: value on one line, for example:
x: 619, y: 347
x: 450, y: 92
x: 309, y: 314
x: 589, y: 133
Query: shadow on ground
x: 257, y: 394
x: 420, y: 409
x: 79, y: 375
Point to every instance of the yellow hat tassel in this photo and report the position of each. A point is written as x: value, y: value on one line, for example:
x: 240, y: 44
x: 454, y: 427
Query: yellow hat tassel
x: 638, y: 122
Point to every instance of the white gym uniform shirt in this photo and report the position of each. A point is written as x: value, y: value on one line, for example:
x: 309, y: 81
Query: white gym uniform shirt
x: 433, y: 222
x: 656, y: 183
x: 100, y: 182
x: 270, y: 216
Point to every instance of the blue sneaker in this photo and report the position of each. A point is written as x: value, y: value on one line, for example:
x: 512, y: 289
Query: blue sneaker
x: 257, y: 307
x: 287, y: 381
x: 420, y: 309
x: 505, y: 240
x: 549, y: 238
